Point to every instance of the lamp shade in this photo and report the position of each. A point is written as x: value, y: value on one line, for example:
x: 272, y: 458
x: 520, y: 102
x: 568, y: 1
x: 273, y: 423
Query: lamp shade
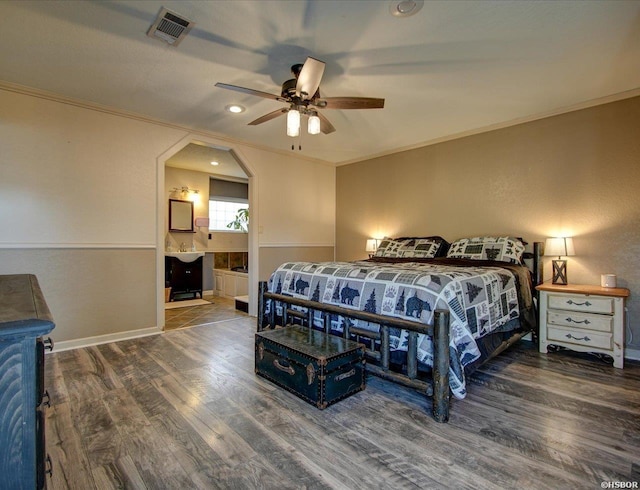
x: 313, y: 126
x: 293, y: 122
x: 372, y: 245
x: 559, y: 247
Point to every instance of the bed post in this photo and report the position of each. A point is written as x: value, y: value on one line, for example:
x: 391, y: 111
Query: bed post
x: 262, y: 287
x: 538, y: 250
x: 441, y: 365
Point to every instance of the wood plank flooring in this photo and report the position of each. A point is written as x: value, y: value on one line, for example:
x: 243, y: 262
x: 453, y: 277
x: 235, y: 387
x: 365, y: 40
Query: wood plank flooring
x: 185, y: 410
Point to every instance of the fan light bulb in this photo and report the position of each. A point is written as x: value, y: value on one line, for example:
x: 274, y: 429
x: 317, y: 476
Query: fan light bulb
x: 314, y: 124
x: 293, y: 122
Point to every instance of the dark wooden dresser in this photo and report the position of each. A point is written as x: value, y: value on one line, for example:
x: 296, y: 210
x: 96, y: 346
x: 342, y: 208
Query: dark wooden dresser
x: 24, y: 320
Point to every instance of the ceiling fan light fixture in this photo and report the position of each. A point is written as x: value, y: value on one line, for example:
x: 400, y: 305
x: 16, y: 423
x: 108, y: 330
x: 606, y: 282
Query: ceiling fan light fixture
x: 313, y: 126
x: 302, y: 95
x: 405, y: 8
x: 293, y: 122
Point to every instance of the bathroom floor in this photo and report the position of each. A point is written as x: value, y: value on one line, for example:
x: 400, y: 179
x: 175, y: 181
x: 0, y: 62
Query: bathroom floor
x: 220, y: 309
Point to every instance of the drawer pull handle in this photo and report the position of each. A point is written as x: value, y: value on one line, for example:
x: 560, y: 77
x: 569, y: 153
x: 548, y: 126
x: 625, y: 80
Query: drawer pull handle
x: 46, y: 399
x: 48, y: 343
x: 287, y: 369
x: 586, y: 303
x: 585, y: 321
x: 569, y: 336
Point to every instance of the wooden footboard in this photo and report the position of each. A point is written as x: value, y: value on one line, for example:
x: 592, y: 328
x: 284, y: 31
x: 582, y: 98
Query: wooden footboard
x: 437, y: 387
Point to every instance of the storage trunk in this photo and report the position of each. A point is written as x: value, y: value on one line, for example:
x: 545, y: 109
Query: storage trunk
x: 319, y: 368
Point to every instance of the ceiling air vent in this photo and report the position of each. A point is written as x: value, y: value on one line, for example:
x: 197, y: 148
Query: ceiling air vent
x: 170, y: 27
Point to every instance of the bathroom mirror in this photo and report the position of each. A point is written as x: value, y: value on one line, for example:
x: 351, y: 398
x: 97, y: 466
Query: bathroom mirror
x: 180, y: 215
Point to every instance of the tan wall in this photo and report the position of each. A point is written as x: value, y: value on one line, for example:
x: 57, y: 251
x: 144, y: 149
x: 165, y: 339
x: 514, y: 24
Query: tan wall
x: 79, y: 208
x: 576, y: 174
x: 272, y: 257
x: 220, y: 241
x: 91, y: 292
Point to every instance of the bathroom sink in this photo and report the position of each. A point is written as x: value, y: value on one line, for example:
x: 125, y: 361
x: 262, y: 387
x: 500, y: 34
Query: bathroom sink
x: 185, y: 256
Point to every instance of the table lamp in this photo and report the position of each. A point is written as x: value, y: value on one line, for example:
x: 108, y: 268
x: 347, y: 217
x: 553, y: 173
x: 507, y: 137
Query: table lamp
x: 372, y: 246
x: 560, y: 247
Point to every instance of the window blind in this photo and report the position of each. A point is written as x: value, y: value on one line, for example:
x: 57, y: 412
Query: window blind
x: 228, y: 190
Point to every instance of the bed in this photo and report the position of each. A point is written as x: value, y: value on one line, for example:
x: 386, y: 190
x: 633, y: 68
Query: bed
x: 428, y: 311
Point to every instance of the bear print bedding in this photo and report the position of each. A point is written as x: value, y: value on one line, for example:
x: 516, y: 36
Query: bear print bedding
x: 481, y: 299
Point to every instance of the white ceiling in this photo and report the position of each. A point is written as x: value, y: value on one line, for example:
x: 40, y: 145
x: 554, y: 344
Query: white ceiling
x: 199, y: 157
x: 455, y: 67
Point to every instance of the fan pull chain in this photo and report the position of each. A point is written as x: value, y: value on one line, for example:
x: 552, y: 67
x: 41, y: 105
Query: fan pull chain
x: 293, y: 145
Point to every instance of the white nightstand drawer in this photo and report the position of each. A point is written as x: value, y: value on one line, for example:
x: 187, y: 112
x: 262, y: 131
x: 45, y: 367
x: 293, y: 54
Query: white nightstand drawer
x: 586, y: 321
x: 594, y: 304
x: 579, y: 337
x: 583, y: 318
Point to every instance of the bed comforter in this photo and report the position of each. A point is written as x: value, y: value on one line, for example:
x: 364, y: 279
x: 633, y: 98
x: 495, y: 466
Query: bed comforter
x: 482, y: 298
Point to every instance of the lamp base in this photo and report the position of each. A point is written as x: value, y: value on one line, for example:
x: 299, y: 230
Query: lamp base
x: 559, y: 272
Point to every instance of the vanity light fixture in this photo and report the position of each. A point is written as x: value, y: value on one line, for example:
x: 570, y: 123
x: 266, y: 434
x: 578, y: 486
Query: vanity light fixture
x: 186, y: 193
x: 560, y: 247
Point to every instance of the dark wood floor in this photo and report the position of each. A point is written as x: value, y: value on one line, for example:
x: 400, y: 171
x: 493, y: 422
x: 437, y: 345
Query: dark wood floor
x: 184, y: 410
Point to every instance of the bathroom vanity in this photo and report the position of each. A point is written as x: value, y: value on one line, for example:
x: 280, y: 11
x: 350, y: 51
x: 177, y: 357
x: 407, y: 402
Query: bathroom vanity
x: 183, y: 273
x: 230, y: 283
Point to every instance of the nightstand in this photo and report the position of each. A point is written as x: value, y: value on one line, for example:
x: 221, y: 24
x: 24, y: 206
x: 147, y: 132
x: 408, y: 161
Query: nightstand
x: 583, y: 318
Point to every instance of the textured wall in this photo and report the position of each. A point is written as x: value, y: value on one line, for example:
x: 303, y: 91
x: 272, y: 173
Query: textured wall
x: 576, y: 174
x: 272, y: 257
x: 91, y: 292
x: 79, y: 208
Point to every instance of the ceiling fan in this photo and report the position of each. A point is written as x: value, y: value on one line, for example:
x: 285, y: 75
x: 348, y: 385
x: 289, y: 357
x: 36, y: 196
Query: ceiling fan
x: 302, y: 93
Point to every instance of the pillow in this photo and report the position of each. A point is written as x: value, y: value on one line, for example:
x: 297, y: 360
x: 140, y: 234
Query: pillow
x: 502, y: 249
x: 419, y: 247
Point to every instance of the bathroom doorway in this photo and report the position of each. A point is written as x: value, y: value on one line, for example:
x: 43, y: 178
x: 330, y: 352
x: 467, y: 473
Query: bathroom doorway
x: 187, y: 173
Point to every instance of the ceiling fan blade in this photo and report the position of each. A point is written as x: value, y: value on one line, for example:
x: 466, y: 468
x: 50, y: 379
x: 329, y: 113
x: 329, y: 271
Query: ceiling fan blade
x: 349, y: 103
x: 249, y: 91
x: 268, y: 117
x: 309, y: 78
x: 325, y: 126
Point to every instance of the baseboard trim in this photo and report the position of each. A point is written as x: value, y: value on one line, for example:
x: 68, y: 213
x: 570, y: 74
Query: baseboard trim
x: 629, y: 353
x: 105, y: 339
x: 632, y: 354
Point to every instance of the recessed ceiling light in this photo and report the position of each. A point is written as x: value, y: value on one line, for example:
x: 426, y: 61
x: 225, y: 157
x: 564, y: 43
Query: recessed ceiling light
x: 235, y: 108
x: 215, y: 164
x: 405, y: 8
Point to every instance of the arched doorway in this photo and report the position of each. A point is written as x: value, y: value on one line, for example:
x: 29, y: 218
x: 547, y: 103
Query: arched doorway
x: 161, y: 208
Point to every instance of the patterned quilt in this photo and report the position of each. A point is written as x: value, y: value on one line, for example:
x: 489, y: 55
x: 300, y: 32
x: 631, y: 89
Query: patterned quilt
x: 480, y: 299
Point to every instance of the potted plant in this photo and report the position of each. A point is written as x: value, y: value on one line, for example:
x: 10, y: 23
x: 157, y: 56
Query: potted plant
x: 241, y: 221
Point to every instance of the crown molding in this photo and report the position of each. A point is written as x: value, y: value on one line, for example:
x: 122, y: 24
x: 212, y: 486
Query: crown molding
x: 502, y: 125
x: 63, y: 99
